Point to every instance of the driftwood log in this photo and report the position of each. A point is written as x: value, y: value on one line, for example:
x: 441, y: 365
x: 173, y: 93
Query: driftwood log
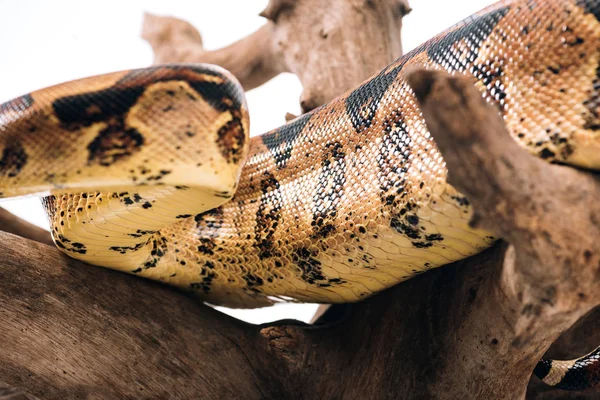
x: 473, y: 329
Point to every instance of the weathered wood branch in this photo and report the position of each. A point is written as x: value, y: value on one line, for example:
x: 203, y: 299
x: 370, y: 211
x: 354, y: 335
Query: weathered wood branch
x: 547, y: 212
x: 8, y: 392
x: 12, y: 224
x: 70, y: 330
x: 252, y: 60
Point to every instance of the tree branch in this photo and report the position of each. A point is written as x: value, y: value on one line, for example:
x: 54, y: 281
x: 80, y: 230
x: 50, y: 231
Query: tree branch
x: 70, y: 330
x: 548, y: 212
x: 8, y: 392
x: 12, y: 224
x: 252, y: 60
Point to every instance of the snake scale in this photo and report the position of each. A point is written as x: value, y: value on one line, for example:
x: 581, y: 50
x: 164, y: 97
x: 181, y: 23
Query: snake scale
x: 152, y: 172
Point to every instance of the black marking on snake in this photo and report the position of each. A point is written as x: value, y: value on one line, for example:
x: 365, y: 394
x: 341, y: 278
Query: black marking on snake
x: 84, y: 109
x: 585, y: 373
x: 546, y: 153
x: 492, y: 76
x: 329, y: 190
x: 159, y: 249
x: 204, y: 285
x: 394, y: 153
x: 402, y: 227
x: 590, y: 7
x: 280, y: 142
x: 14, y: 158
x: 17, y: 105
x: 161, y: 174
x: 461, y: 200
x: 67, y: 245
x: 268, y: 216
x: 253, y: 281
x: 136, y: 199
x: 208, y: 225
x: 125, y: 249
x: 220, y: 92
x: 459, y: 48
x: 139, y: 233
x: 310, y: 267
x: 434, y: 237
x: 222, y: 96
x: 363, y: 102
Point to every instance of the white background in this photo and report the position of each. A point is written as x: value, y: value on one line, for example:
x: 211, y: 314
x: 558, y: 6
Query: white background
x: 48, y: 42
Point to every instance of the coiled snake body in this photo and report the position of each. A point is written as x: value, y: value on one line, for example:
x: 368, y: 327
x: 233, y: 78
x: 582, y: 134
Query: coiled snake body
x: 152, y: 172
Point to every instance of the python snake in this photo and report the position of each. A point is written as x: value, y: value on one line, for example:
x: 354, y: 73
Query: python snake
x: 152, y: 172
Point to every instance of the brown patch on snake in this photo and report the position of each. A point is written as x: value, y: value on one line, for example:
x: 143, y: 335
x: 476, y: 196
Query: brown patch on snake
x: 114, y: 143
x: 112, y: 105
x: 231, y: 138
x: 268, y: 217
x: 13, y: 159
x: 208, y: 225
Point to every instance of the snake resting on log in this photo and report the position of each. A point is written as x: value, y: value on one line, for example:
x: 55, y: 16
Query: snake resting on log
x: 152, y: 172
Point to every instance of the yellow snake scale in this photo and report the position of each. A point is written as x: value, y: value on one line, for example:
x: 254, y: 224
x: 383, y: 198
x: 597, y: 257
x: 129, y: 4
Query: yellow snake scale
x: 152, y: 172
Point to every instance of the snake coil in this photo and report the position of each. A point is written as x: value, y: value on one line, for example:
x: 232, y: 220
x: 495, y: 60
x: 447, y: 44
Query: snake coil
x: 152, y: 172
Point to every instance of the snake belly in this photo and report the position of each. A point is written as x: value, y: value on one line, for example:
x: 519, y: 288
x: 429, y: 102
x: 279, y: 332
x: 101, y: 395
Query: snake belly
x: 152, y: 172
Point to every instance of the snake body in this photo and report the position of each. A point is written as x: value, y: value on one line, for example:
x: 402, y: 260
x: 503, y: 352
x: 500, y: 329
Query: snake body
x: 152, y: 171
